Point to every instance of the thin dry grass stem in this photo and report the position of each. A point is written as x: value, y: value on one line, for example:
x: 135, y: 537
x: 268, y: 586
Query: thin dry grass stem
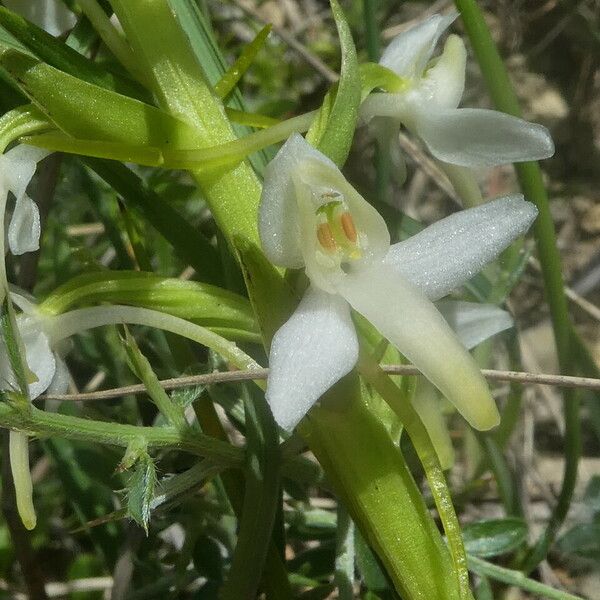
x: 259, y: 374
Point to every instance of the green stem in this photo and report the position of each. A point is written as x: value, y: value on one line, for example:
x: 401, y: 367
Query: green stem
x: 531, y: 180
x: 382, y: 160
x: 76, y: 321
x: 371, y: 31
x: 516, y: 578
x: 114, y: 41
x: 370, y: 474
x: 181, y: 87
x: 419, y: 436
x: 173, y: 413
x: 40, y: 423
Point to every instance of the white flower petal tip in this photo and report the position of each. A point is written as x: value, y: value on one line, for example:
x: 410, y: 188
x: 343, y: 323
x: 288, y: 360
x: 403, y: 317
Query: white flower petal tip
x: 278, y: 213
x: 25, y: 228
x: 404, y: 316
x: 313, y: 350
x: 473, y: 137
x: 408, y: 53
x: 474, y: 323
x: 448, y: 253
x: 51, y: 15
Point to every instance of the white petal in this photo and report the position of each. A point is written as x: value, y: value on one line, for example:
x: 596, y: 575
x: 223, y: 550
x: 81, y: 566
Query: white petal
x: 428, y: 404
x: 38, y: 355
x: 474, y: 323
x: 24, y: 229
x: 408, y: 53
x: 311, y: 351
x: 62, y: 377
x: 51, y: 15
x: 18, y: 165
x: 448, y: 253
x: 405, y: 316
x: 444, y: 83
x: 474, y: 137
x: 40, y: 358
x: 278, y: 221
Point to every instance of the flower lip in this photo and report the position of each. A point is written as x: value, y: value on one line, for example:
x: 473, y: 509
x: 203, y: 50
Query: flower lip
x: 310, y: 216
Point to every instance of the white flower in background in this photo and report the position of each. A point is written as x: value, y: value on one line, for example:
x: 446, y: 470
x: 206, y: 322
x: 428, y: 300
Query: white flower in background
x: 428, y: 104
x: 47, y: 370
x: 473, y: 324
x: 311, y: 217
x: 17, y: 167
x: 51, y: 15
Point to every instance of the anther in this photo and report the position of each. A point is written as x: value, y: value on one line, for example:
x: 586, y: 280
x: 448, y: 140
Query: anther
x: 349, y: 227
x: 325, y: 237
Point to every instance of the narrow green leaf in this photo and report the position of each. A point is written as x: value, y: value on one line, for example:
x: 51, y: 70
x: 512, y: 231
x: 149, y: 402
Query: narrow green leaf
x: 201, y: 303
x: 232, y: 76
x: 494, y: 536
x: 14, y: 346
x: 333, y: 130
x: 59, y: 55
x: 86, y: 474
x: 59, y: 142
x: 261, y: 499
x: 23, y: 120
x: 90, y: 112
x: 174, y: 413
x: 518, y: 579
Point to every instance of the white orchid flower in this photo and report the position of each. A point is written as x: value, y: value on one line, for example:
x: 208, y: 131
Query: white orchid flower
x: 473, y: 324
x: 311, y: 217
x: 17, y: 167
x: 47, y: 369
x: 428, y: 104
x: 51, y: 15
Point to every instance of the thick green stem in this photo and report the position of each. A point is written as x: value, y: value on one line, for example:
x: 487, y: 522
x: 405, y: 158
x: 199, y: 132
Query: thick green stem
x: 530, y: 178
x: 40, y: 423
x: 372, y: 478
x: 419, y: 436
x: 182, y: 89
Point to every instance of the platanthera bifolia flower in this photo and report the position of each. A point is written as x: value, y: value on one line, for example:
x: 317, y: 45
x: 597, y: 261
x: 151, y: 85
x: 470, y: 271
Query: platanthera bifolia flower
x: 311, y: 217
x: 47, y: 370
x: 17, y: 167
x: 473, y: 324
x: 428, y: 104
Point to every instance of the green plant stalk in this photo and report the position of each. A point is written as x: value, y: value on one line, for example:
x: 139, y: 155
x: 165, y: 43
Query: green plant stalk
x: 517, y: 579
x: 370, y: 474
x: 382, y: 161
x: 419, y: 436
x: 531, y: 181
x: 110, y: 36
x: 40, y: 423
x: 504, y: 477
x: 174, y: 413
x: 164, y: 53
